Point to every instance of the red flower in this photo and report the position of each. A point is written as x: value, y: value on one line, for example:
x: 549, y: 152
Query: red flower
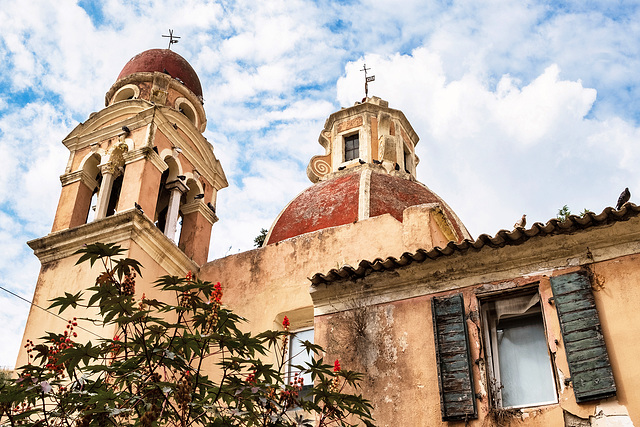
x: 285, y: 323
x: 336, y: 366
x: 216, y: 295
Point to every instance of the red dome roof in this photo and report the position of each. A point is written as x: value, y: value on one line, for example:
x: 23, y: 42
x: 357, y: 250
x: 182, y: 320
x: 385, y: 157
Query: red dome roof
x: 335, y: 202
x: 164, y: 61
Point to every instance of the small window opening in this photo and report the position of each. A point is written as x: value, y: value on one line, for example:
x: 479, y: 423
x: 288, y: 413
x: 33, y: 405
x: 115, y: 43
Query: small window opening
x: 351, y: 147
x: 298, y: 356
x: 407, y: 161
x: 186, y: 109
x: 127, y: 92
x: 519, y: 361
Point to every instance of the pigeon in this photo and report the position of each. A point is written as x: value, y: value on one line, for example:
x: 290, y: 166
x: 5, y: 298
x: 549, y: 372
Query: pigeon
x: 138, y: 207
x: 198, y: 196
x: 624, y: 198
x: 521, y: 222
x: 341, y: 168
x: 362, y: 162
x: 397, y: 167
x: 211, y: 207
x: 377, y: 162
x: 126, y: 129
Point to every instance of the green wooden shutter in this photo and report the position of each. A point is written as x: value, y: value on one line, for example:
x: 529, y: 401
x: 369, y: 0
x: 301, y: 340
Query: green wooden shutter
x: 589, y: 363
x: 457, y: 398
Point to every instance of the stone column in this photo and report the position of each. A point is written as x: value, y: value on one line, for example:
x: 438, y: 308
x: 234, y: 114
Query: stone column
x: 176, y: 188
x: 108, y: 175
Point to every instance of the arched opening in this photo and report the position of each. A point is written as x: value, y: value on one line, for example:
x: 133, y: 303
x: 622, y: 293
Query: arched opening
x: 169, y: 195
x: 127, y: 92
x: 191, y: 209
x: 92, y: 170
x: 160, y: 217
x: 114, y: 197
x: 187, y: 109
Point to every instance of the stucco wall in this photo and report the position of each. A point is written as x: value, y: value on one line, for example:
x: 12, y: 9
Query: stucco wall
x: 382, y: 325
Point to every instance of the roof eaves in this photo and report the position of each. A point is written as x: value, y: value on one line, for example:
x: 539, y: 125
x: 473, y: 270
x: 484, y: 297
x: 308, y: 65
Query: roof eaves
x: 502, y: 238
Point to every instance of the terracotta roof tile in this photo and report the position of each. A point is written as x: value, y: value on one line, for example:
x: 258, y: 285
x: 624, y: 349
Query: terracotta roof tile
x: 502, y: 238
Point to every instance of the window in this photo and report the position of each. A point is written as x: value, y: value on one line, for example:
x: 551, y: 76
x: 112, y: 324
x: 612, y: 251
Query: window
x: 351, y: 147
x: 298, y: 356
x: 407, y: 160
x: 517, y: 354
x: 126, y: 92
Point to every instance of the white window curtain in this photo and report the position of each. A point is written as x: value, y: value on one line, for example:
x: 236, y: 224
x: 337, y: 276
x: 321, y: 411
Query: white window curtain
x: 520, y: 359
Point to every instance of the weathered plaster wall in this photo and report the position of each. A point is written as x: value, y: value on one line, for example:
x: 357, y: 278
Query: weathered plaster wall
x: 262, y: 283
x: 615, y: 285
x: 391, y: 340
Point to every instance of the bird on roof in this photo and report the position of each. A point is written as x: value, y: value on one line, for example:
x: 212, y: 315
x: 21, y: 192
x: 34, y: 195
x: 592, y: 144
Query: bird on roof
x: 199, y: 196
x: 521, y: 222
x: 340, y: 168
x: 362, y: 162
x: 137, y: 206
x: 210, y: 205
x: 377, y: 162
x: 624, y: 198
x: 397, y: 167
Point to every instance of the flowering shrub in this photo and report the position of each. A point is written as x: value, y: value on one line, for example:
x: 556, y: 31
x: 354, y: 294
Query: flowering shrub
x: 151, y: 373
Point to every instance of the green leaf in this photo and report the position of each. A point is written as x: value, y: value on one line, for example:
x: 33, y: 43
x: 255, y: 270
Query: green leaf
x: 66, y: 301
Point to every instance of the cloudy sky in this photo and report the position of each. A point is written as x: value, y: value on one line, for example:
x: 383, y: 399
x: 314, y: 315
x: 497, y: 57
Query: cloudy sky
x: 521, y: 106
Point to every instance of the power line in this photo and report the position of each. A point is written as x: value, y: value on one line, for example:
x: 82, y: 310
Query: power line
x: 50, y: 312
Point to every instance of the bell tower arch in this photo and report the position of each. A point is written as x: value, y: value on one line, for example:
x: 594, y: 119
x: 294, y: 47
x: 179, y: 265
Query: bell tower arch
x: 140, y: 174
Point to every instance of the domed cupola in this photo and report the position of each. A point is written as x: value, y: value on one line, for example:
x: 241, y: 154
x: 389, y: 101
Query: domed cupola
x: 162, y: 77
x: 368, y: 170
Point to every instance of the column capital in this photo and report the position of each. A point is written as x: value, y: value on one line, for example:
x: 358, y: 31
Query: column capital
x: 177, y: 185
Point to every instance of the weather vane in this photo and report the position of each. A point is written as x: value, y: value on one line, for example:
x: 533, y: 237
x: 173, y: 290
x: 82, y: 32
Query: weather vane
x: 367, y: 80
x: 172, y: 38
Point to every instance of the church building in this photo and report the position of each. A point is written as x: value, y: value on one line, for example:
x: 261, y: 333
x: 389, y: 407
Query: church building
x: 534, y: 326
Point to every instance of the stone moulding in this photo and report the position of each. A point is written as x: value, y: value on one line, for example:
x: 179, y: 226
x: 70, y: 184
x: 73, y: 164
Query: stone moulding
x: 128, y: 225
x: 539, y: 250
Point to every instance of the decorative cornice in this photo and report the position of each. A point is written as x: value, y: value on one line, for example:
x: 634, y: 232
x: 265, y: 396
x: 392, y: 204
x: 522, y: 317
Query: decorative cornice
x: 536, y: 251
x: 201, y: 156
x: 200, y: 207
x: 80, y: 175
x: 128, y: 225
x: 146, y: 152
x: 138, y: 113
x: 140, y: 77
x: 369, y: 106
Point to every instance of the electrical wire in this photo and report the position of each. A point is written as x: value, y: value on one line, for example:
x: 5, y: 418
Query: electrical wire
x: 48, y: 311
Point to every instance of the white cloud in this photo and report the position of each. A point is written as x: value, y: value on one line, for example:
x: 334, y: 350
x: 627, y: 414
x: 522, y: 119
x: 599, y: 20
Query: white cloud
x: 494, y: 153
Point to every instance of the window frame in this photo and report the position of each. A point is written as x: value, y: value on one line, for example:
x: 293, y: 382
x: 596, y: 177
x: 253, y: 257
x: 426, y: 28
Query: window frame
x: 489, y: 336
x: 345, y: 139
x: 289, y: 372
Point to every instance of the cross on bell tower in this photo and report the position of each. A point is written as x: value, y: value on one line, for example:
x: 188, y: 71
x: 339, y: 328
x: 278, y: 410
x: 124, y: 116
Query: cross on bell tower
x: 367, y: 79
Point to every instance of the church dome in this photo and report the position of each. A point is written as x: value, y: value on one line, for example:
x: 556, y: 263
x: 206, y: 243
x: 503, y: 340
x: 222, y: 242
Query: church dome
x: 336, y: 201
x: 164, y: 61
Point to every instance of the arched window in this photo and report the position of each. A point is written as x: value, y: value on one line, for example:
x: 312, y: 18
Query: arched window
x: 169, y: 194
x: 115, y: 194
x: 186, y: 108
x: 127, y: 92
x: 162, y: 204
x: 91, y: 169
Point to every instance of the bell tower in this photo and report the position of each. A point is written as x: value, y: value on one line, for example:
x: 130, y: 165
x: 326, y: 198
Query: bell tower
x: 145, y: 150
x: 140, y: 174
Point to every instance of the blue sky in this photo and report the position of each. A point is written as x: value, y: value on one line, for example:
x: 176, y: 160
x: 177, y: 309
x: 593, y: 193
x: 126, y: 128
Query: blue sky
x: 521, y: 106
